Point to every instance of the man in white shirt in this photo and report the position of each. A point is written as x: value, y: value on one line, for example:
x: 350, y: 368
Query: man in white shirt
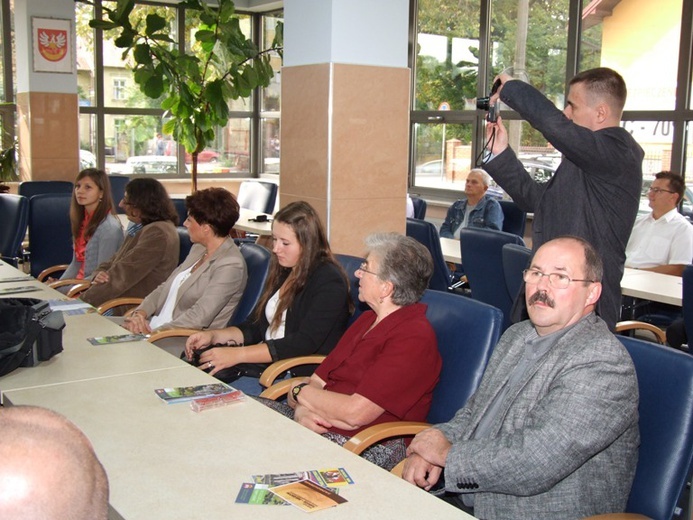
x: 662, y: 241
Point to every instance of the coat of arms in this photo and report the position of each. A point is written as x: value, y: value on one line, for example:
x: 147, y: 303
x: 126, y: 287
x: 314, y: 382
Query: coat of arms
x: 52, y: 44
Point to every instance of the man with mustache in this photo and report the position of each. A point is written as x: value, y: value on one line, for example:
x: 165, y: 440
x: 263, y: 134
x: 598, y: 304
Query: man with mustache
x: 552, y: 431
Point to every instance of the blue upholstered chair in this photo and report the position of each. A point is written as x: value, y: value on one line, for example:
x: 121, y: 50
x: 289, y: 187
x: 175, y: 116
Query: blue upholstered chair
x: 427, y: 234
x: 688, y: 301
x: 419, y: 207
x: 179, y: 204
x: 467, y: 332
x: 50, y: 235
x: 665, y: 382
x: 118, y: 183
x: 30, y: 188
x: 482, y: 256
x: 257, y: 196
x: 14, y: 215
x: 257, y: 260
x: 185, y: 243
x: 515, y: 260
x: 514, y: 219
x: 351, y: 264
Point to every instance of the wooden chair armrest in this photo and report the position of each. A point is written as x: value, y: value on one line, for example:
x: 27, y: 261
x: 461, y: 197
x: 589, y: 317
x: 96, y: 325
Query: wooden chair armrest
x: 78, y: 288
x: 171, y: 333
x: 279, y: 367
x: 659, y: 334
x: 64, y: 282
x: 50, y: 270
x: 374, y: 434
x: 116, y: 302
x: 398, y: 469
x: 279, y: 389
x: 618, y: 516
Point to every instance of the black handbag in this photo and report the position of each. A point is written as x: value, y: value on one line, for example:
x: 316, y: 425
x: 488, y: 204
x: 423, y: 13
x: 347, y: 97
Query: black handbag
x: 30, y: 332
x: 227, y: 375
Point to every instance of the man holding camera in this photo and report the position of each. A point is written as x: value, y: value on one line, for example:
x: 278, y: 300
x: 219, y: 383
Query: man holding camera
x: 595, y: 191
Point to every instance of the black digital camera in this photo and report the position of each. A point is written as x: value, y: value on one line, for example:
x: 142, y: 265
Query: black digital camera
x: 483, y: 103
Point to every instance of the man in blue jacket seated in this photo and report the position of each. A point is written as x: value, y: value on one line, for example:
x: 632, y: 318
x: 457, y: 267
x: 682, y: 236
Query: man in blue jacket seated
x: 477, y: 210
x: 552, y: 431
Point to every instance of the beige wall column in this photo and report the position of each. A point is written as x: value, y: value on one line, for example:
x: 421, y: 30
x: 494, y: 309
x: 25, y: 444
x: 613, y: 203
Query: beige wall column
x: 47, y: 104
x: 345, y: 115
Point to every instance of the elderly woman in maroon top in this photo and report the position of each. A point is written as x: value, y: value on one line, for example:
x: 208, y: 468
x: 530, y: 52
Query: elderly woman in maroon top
x: 387, y: 364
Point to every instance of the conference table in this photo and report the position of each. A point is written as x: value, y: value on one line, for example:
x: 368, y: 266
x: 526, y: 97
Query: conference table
x: 663, y: 288
x: 637, y: 283
x: 167, y: 461
x: 246, y: 222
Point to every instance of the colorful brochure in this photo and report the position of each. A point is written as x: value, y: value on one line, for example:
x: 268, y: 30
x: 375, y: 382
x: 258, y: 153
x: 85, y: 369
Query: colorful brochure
x: 122, y: 338
x: 308, y: 496
x: 186, y: 393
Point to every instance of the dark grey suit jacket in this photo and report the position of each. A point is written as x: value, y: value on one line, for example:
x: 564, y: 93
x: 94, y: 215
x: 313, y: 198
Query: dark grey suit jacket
x: 594, y: 193
x: 565, y: 442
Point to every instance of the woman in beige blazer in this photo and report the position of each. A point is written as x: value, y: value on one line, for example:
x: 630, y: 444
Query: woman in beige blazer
x: 204, y: 290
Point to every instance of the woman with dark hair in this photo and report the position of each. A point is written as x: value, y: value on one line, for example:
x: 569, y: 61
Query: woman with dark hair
x: 150, y: 251
x: 96, y: 231
x: 386, y: 365
x: 205, y: 289
x: 303, y: 310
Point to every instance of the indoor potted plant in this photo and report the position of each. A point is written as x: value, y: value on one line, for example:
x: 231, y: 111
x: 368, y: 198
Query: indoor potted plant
x: 197, y: 87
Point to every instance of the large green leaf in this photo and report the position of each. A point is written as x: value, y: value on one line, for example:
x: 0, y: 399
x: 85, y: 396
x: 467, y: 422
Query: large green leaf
x: 154, y: 23
x: 142, y: 54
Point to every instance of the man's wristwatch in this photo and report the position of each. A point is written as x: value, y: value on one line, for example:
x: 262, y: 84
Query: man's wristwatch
x: 297, y: 390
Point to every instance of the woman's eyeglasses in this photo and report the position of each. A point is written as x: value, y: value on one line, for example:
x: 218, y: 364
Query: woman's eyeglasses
x: 364, y: 267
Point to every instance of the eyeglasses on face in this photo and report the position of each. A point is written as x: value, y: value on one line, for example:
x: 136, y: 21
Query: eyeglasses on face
x: 364, y: 267
x: 658, y: 190
x: 556, y: 280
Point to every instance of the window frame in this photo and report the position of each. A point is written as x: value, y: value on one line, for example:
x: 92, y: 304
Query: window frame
x: 681, y: 116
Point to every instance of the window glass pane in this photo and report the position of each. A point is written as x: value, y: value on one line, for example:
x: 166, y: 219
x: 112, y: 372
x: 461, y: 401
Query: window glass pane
x: 447, y: 54
x: 85, y: 55
x: 442, y: 155
x: 235, y: 144
x: 137, y: 147
x: 271, y: 94
x: 640, y: 40
x: 120, y: 89
x: 656, y: 139
x: 531, y: 38
x: 87, y: 141
x: 270, y: 145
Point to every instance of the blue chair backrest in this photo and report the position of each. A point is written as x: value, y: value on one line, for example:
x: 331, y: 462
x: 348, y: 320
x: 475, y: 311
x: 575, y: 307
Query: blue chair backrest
x: 688, y: 302
x: 14, y: 215
x: 515, y: 260
x: 467, y: 332
x: 427, y: 234
x: 351, y: 264
x: 30, y: 188
x: 482, y: 258
x: 257, y: 260
x: 50, y: 234
x: 179, y: 204
x: 419, y: 207
x: 514, y: 219
x: 665, y: 382
x: 257, y: 196
x: 185, y: 243
x: 118, y: 183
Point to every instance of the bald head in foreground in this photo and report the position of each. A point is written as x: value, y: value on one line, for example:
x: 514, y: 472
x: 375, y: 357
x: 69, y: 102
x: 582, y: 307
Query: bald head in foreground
x: 48, y: 468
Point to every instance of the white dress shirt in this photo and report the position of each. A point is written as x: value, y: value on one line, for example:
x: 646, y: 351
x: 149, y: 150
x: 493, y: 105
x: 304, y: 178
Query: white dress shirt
x: 665, y: 241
